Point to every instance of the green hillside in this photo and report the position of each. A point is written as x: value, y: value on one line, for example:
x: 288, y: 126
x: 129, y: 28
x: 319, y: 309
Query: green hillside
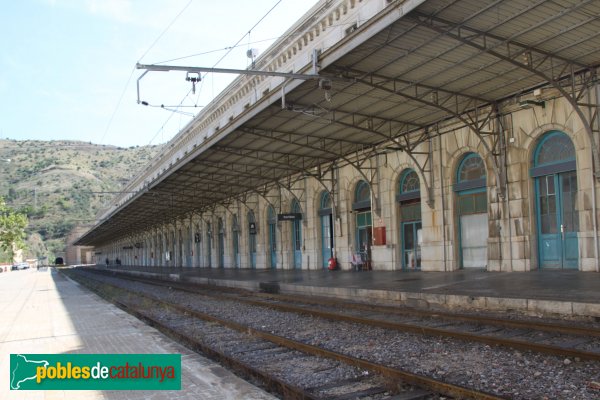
x: 60, y: 184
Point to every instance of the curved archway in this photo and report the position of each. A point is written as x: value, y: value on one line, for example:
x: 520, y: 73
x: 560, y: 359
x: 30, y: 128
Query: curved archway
x: 297, y: 235
x: 409, y: 200
x: 209, y: 245
x: 272, y: 235
x: 364, y: 225
x: 235, y: 239
x: 326, y: 219
x: 557, y: 219
x: 472, y: 213
x: 252, y: 238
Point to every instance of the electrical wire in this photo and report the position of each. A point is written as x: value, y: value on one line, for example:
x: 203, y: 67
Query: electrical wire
x: 229, y: 50
x: 166, y: 29
x: 112, y: 117
x: 238, y: 42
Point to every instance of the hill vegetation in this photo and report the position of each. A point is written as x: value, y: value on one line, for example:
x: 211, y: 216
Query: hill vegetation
x: 61, y: 184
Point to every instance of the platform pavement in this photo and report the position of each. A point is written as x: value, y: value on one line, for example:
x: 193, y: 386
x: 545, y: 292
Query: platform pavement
x: 556, y: 292
x: 41, y: 312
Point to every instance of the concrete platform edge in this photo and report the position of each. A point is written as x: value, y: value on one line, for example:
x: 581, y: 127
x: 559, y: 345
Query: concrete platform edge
x: 389, y: 297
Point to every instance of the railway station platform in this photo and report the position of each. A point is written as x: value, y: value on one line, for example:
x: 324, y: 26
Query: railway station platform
x: 45, y: 313
x: 561, y: 293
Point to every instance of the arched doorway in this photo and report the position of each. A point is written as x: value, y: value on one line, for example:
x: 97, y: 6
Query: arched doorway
x: 554, y: 172
x: 409, y: 198
x: 252, y: 239
x: 221, y: 242
x: 235, y: 238
x: 325, y: 214
x: 272, y: 235
x: 198, y: 245
x: 297, y: 235
x: 364, y: 225
x: 472, y: 212
x: 208, y: 245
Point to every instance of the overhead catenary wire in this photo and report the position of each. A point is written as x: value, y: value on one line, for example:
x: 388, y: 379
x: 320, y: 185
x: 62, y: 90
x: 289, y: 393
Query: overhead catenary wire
x: 112, y: 117
x: 174, y: 109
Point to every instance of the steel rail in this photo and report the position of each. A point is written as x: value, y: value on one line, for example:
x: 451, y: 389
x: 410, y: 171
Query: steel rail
x: 271, y: 383
x: 408, y: 377
x: 331, y: 301
x: 404, y: 327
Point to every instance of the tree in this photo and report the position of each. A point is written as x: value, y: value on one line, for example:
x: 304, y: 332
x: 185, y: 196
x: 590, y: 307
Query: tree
x: 12, y: 229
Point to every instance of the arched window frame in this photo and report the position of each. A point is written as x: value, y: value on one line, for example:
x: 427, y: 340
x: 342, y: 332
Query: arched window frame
x: 361, y: 201
x: 405, y: 195
x: 325, y: 203
x: 467, y: 184
x: 271, y: 215
x: 562, y: 165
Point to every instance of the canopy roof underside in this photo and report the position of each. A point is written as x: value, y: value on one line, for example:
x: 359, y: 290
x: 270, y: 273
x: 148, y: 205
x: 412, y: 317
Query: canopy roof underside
x: 444, y: 61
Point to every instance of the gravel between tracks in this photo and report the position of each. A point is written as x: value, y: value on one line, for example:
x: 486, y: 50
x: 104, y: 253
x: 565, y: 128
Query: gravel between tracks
x: 505, y: 372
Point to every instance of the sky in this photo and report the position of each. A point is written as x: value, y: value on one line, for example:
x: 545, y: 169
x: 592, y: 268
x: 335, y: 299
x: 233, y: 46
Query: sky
x: 67, y: 67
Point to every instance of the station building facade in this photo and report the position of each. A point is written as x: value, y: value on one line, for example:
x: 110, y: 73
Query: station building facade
x: 439, y: 208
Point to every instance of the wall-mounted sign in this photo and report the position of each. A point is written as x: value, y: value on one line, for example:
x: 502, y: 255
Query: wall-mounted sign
x: 196, y: 238
x: 252, y: 228
x: 127, y: 247
x: 289, y: 217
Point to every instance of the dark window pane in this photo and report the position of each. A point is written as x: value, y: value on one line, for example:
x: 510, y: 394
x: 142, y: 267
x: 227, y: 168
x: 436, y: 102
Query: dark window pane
x: 552, y: 204
x: 557, y: 148
x: 471, y: 168
x: 550, y: 184
x: 410, y: 182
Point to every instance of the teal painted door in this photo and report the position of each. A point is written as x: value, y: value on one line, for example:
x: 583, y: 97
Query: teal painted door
x: 208, y: 246
x: 411, y: 250
x: 236, y: 249
x: 326, y: 239
x: 297, y: 243
x: 221, y: 250
x: 557, y: 220
x: 252, y: 245
x: 364, y: 234
x: 209, y: 251
x: 273, y: 245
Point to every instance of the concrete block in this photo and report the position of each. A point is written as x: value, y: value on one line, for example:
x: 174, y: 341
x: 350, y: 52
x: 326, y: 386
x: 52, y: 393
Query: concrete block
x: 586, y: 309
x: 506, y: 304
x: 461, y: 301
x: 549, y: 307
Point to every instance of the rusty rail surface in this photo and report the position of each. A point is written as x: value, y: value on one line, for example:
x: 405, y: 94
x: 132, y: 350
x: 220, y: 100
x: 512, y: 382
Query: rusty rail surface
x: 404, y: 327
x: 428, y: 383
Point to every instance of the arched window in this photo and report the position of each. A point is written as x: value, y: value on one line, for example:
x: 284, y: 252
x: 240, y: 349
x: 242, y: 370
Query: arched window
x: 554, y: 151
x: 364, y: 230
x: 297, y: 235
x: 325, y: 201
x: 252, y: 238
x: 362, y: 196
x: 409, y: 197
x: 272, y: 222
x: 471, y: 169
x: 235, y: 235
x: 472, y: 216
x: 555, y: 176
x: 325, y: 215
x: 409, y: 187
x: 409, y: 182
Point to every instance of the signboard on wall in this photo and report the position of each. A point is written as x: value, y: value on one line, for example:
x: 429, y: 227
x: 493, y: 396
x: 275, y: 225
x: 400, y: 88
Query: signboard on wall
x: 289, y: 217
x: 252, y: 228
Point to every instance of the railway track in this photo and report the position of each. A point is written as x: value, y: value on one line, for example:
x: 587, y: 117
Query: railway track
x: 560, y: 339
x: 263, y: 355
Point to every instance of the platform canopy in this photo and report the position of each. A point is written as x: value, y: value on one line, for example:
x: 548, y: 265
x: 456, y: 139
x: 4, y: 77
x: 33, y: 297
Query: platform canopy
x: 397, y: 81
